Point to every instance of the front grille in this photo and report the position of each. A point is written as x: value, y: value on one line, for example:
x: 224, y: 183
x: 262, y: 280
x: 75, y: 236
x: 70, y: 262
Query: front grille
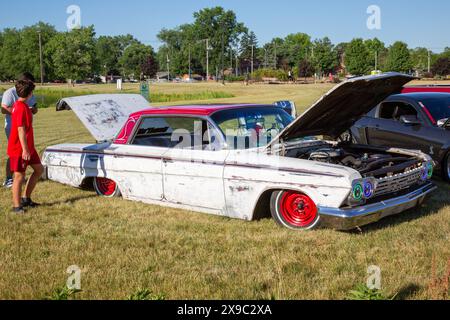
x: 398, y: 182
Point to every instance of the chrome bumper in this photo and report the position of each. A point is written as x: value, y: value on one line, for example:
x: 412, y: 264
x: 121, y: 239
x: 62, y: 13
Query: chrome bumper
x: 348, y: 219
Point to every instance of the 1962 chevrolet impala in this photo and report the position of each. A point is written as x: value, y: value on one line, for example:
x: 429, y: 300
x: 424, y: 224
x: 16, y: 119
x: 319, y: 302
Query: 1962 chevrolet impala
x: 246, y: 161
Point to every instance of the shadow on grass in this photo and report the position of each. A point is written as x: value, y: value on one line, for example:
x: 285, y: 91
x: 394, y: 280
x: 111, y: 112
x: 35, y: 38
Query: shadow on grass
x: 432, y: 204
x: 68, y: 201
x: 408, y: 291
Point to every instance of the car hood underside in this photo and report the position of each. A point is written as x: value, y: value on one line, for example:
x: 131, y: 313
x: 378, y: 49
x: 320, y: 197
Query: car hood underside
x: 344, y: 105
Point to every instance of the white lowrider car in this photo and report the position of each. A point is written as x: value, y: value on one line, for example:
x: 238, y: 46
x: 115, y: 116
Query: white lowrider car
x: 246, y: 161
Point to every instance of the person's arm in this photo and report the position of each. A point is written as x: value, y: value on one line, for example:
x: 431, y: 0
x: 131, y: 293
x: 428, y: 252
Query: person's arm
x: 7, y: 102
x: 6, y: 109
x: 33, y: 104
x: 24, y: 143
x: 34, y: 109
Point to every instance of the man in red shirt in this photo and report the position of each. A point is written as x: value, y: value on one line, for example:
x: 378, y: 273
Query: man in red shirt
x: 21, y: 149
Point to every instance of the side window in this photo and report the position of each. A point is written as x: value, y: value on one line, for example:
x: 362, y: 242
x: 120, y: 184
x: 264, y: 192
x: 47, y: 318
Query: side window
x: 395, y: 110
x: 176, y: 132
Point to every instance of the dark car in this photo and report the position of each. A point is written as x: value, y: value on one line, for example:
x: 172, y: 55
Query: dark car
x: 419, y: 121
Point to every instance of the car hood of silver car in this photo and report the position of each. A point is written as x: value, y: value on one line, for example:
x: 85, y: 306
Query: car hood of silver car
x: 339, y: 109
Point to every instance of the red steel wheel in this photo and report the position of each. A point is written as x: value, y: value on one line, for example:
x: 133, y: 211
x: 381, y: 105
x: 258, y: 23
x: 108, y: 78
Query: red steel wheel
x: 106, y: 187
x: 294, y: 210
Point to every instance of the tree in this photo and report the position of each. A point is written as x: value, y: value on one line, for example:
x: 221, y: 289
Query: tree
x: 149, y: 66
x: 399, y: 58
x: 419, y: 59
x: 10, y: 61
x: 138, y: 60
x: 305, y: 69
x: 377, y: 52
x: 216, y: 24
x: 248, y: 41
x: 296, y: 47
x: 73, y: 54
x: 275, y: 51
x: 221, y: 28
x: 357, y: 57
x: 325, y: 59
x: 442, y: 67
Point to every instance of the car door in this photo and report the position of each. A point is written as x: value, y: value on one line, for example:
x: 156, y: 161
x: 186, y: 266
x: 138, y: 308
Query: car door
x: 387, y: 128
x: 193, y: 167
x: 140, y: 161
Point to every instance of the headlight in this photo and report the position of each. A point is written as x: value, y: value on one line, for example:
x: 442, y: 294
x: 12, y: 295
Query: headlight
x: 369, y: 189
x: 427, y: 171
x: 357, y: 191
x: 363, y: 189
x: 430, y: 170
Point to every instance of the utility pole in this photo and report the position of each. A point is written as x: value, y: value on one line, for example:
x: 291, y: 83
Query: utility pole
x: 429, y: 61
x: 265, y: 58
x: 207, y: 60
x: 190, y: 72
x: 276, y: 58
x: 168, y: 68
x: 237, y: 67
x: 376, y: 60
x: 222, y: 58
x: 41, y: 58
x: 252, y: 58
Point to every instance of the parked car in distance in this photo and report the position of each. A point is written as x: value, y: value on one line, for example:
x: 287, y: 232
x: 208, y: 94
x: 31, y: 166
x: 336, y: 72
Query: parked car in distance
x: 414, y: 121
x: 427, y: 88
x: 246, y: 161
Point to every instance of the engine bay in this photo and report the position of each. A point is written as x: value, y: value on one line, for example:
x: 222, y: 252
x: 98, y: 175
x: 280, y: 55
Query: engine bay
x: 368, y: 161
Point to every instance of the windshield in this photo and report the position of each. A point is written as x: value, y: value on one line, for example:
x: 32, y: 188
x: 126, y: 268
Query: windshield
x: 439, y: 108
x: 251, y: 127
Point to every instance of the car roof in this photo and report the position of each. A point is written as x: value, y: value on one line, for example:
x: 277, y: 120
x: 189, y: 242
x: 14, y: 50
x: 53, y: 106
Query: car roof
x: 197, y: 110
x: 420, y: 95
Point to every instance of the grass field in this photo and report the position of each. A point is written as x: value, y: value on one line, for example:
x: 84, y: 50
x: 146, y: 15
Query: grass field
x: 123, y: 246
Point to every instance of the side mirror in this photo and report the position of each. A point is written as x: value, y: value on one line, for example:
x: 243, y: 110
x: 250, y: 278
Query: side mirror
x: 444, y: 123
x: 410, y: 120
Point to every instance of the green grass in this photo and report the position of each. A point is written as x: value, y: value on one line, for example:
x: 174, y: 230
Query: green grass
x: 123, y: 246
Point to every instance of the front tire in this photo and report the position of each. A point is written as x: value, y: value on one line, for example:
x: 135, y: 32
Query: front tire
x: 106, y: 188
x: 446, y: 168
x: 294, y: 210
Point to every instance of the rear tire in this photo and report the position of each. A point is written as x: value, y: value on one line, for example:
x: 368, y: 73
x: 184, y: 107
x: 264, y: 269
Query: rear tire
x: 294, y: 210
x: 106, y: 187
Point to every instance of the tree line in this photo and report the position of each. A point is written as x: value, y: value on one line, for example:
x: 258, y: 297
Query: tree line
x: 214, y: 42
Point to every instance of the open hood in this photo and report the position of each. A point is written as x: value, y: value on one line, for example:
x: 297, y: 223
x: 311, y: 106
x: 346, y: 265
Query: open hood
x: 104, y: 115
x: 344, y: 105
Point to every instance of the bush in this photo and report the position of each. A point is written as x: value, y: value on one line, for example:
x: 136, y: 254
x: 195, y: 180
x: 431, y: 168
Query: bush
x: 280, y: 75
x: 232, y: 78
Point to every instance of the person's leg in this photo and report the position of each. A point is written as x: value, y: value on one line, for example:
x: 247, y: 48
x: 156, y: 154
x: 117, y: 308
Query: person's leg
x: 17, y: 189
x: 33, y: 180
x: 8, y: 172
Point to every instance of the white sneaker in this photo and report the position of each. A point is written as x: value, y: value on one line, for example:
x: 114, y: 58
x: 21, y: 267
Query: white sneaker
x: 8, y: 183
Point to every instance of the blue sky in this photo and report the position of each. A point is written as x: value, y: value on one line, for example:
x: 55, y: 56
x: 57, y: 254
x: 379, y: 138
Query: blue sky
x: 419, y: 23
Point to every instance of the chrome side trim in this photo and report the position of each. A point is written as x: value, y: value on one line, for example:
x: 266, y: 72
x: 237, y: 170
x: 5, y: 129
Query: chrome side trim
x: 348, y: 219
